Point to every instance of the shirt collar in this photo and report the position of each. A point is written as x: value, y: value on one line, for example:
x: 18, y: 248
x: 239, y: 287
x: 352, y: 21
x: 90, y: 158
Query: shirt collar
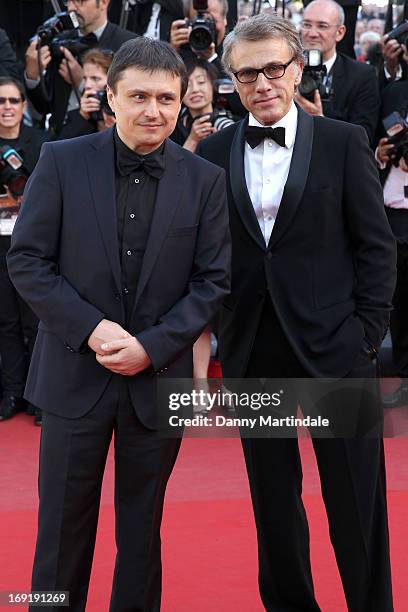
x: 330, y: 63
x: 98, y: 33
x: 289, y: 122
x: 125, y: 155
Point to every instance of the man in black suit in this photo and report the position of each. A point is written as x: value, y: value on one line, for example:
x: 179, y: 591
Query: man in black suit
x: 355, y: 94
x: 394, y: 178
x: 122, y: 250
x: 313, y: 272
x: 63, y: 78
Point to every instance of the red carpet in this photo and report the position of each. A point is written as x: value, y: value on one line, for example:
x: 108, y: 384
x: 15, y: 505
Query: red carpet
x: 209, y: 544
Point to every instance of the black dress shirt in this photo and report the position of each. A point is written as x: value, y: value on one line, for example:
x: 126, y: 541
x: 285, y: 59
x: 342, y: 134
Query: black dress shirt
x: 136, y: 192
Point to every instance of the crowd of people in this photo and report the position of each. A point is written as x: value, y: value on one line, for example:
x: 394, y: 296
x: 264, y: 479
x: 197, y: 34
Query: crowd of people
x: 58, y: 91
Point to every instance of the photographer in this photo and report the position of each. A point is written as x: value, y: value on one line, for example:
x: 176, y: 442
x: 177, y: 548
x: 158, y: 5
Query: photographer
x: 392, y: 160
x: 181, y: 29
x: 17, y: 323
x: 152, y: 18
x: 63, y: 76
x: 94, y: 114
x: 198, y: 118
x: 351, y: 88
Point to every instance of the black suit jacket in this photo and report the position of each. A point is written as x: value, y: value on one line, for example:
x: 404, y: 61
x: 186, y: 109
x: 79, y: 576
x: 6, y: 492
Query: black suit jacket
x: 330, y: 264
x: 64, y: 261
x: 356, y: 97
x: 112, y: 38
x: 8, y: 60
x: 394, y: 98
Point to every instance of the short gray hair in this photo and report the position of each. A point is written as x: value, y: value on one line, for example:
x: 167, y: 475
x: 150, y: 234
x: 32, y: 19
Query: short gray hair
x: 335, y: 5
x: 261, y: 27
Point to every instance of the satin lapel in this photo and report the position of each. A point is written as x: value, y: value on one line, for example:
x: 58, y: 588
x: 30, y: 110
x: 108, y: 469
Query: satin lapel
x: 295, y: 184
x: 101, y: 169
x: 167, y: 200
x: 239, y: 187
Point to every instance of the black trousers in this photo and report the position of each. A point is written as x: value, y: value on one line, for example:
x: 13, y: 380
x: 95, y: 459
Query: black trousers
x: 352, y: 476
x: 398, y: 220
x: 399, y: 316
x: 17, y: 323
x: 72, y: 462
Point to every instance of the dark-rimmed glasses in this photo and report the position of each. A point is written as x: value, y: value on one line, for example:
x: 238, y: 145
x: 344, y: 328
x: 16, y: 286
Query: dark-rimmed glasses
x: 270, y: 71
x: 11, y: 100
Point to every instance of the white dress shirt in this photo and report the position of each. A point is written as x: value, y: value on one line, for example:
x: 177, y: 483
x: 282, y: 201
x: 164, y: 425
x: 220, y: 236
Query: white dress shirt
x: 153, y: 28
x: 266, y: 171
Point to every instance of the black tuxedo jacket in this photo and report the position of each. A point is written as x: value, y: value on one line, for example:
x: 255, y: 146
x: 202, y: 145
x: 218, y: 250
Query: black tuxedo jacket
x: 112, y: 38
x: 64, y: 261
x: 356, y: 97
x: 330, y: 264
x: 394, y: 98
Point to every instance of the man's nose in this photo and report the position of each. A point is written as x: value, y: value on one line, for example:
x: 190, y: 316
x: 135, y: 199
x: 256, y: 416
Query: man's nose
x: 151, y: 108
x: 262, y: 82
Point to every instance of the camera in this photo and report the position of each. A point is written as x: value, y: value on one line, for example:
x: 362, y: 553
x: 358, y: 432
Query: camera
x: 400, y: 33
x: 222, y: 116
x: 313, y: 76
x: 102, y: 96
x: 12, y: 171
x: 397, y: 132
x: 62, y: 30
x: 203, y: 32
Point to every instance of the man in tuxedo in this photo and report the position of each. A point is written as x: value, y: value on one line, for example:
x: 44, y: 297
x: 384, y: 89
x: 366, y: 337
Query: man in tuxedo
x: 313, y: 272
x: 122, y: 250
x: 355, y: 94
x: 63, y: 78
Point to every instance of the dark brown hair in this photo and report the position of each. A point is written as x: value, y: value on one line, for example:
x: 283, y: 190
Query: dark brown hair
x: 148, y: 55
x: 6, y: 80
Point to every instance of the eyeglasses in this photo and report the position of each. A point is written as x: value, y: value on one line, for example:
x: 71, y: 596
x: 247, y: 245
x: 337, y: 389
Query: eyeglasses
x: 320, y: 27
x: 12, y: 100
x: 270, y: 71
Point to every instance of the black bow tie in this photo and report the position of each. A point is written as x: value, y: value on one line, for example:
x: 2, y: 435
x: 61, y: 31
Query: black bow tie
x: 153, y: 165
x: 255, y: 135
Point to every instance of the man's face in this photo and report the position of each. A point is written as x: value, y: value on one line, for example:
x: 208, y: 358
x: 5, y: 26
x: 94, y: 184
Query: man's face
x: 376, y: 25
x: 94, y: 77
x: 146, y: 105
x: 89, y: 13
x: 12, y: 109
x: 267, y: 99
x: 321, y: 29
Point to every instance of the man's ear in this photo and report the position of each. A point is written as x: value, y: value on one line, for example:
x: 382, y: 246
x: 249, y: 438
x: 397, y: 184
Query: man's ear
x: 299, y: 70
x: 111, y: 98
x: 341, y: 31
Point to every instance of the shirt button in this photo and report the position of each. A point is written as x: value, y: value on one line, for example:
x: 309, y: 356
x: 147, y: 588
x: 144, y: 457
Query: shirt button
x: 270, y: 144
x: 137, y: 181
x: 269, y: 218
x: 128, y: 252
x: 126, y: 290
x: 267, y: 180
x: 132, y: 215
